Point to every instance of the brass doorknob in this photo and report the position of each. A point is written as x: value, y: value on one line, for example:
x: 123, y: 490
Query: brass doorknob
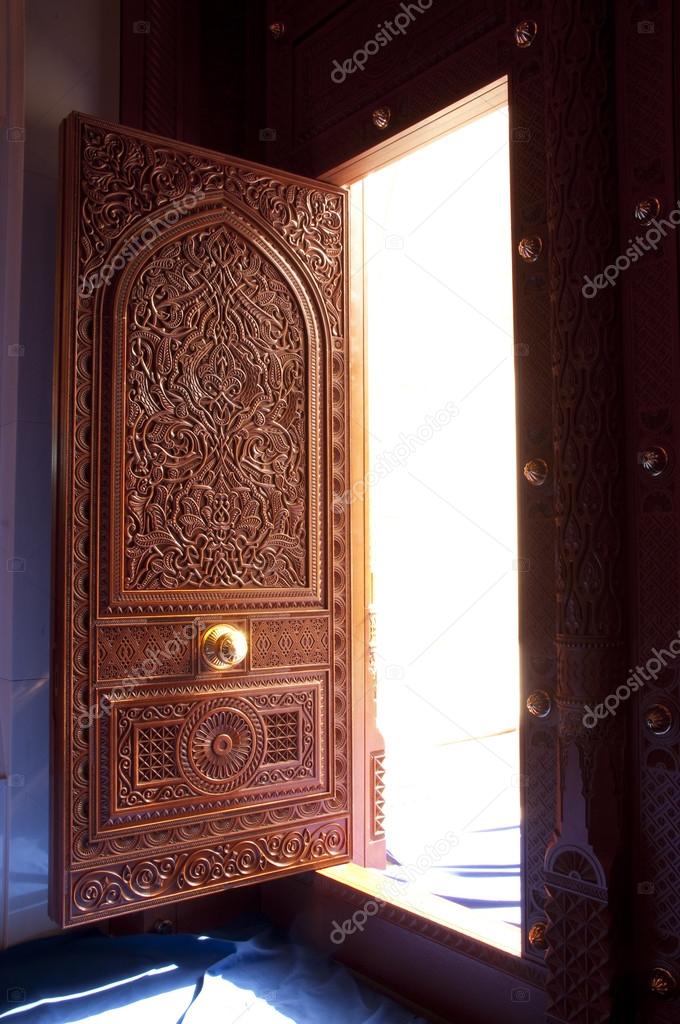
x: 224, y: 646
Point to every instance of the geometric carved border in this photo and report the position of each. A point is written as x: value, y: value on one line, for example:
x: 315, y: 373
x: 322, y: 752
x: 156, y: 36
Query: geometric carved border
x: 132, y: 651
x: 150, y: 649
x: 294, y: 641
x: 251, y: 713
x: 377, y: 777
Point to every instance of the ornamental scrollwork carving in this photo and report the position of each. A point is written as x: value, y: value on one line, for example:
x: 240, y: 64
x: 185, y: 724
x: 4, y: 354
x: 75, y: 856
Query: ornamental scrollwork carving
x: 215, y: 460
x: 103, y: 890
x: 126, y: 178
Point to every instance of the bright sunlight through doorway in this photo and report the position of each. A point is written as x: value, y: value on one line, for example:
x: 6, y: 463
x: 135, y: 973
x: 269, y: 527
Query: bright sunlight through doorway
x: 443, y: 516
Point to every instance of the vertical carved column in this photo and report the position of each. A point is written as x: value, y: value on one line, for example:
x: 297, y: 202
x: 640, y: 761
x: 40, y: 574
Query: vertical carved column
x: 584, y: 857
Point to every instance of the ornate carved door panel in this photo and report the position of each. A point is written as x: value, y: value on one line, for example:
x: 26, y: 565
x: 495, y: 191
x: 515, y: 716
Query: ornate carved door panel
x: 200, y: 644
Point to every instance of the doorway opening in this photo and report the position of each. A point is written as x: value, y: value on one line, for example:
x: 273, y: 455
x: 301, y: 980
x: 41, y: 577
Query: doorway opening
x: 432, y: 274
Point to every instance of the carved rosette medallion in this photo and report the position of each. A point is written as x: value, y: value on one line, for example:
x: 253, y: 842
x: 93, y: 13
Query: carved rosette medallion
x: 221, y: 745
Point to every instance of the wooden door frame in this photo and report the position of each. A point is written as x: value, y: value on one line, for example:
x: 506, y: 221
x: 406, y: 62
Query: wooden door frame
x: 572, y: 871
x: 343, y: 891
x: 560, y: 65
x: 368, y: 752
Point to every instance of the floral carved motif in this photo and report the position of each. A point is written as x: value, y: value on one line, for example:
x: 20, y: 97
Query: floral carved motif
x: 586, y: 951
x: 216, y: 447
x: 221, y: 745
x: 126, y: 177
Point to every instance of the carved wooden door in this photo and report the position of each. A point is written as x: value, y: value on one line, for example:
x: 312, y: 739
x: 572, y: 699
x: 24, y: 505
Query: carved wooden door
x: 201, y: 674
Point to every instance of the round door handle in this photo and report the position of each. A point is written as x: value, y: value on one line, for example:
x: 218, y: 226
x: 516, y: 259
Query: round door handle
x: 224, y: 646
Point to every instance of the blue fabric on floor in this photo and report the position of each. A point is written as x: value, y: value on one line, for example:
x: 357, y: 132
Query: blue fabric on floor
x: 247, y: 973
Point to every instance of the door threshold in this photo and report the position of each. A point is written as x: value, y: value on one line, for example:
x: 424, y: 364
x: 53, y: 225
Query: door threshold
x: 412, y: 899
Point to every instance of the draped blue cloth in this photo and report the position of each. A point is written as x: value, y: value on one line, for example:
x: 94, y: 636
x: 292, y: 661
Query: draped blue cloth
x: 245, y: 974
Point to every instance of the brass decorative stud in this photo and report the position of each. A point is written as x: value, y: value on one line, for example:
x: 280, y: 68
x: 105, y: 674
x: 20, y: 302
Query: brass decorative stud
x: 381, y: 117
x: 224, y: 646
x: 530, y: 248
x: 536, y: 472
x: 647, y: 209
x: 539, y: 704
x: 537, y: 935
x: 659, y: 719
x: 277, y: 29
x: 525, y: 33
x: 653, y: 460
x: 663, y: 983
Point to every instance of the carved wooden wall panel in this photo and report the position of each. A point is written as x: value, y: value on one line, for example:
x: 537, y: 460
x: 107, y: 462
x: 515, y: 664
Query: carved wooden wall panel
x: 586, y: 934
x: 562, y: 85
x: 649, y: 132
x: 201, y: 439
x: 195, y: 72
x: 314, y: 53
x: 447, y: 51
